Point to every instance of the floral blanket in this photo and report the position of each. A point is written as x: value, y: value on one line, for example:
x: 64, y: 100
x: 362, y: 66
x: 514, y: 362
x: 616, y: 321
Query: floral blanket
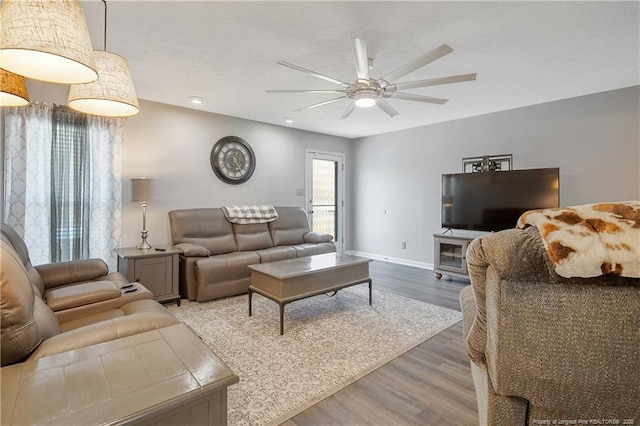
x: 590, y: 240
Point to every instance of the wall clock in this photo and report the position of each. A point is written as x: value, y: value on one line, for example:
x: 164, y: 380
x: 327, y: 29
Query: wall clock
x: 233, y: 160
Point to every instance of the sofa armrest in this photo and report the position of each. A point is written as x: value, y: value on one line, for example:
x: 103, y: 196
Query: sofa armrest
x: 317, y: 237
x: 134, y: 318
x: 552, y: 341
x: 72, y: 296
x: 193, y: 250
x: 513, y: 254
x: 56, y: 274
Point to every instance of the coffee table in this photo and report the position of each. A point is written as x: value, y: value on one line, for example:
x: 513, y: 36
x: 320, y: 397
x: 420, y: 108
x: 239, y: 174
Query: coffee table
x: 286, y: 281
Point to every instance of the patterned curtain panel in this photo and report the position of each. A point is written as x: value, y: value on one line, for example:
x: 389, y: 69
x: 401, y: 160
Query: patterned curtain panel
x: 63, y: 182
x: 27, y: 178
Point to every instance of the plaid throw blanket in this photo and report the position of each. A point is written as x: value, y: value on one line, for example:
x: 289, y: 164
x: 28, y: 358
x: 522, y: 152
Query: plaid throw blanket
x: 250, y: 214
x: 590, y: 240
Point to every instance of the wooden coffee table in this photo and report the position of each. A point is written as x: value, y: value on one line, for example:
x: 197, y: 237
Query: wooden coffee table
x: 286, y: 281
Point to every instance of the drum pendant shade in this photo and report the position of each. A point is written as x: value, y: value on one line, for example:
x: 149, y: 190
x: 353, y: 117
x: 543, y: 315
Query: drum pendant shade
x: 112, y: 95
x: 46, y: 40
x: 13, y: 92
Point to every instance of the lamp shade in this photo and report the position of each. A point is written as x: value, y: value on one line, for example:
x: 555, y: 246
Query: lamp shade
x: 13, y: 91
x: 46, y: 40
x: 142, y: 190
x: 112, y: 95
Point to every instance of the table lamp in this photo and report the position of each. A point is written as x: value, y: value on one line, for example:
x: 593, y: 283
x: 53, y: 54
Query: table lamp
x: 142, y: 192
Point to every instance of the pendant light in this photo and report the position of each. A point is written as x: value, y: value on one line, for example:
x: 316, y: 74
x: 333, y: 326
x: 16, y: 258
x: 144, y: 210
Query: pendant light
x: 113, y: 94
x: 13, y: 92
x: 46, y: 40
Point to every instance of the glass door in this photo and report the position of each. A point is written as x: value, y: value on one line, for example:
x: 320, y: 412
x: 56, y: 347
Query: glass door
x: 324, y: 191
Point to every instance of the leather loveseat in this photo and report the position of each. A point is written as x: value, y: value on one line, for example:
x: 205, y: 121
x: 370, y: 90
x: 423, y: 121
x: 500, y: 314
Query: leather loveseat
x: 51, y: 309
x: 546, y: 349
x: 216, y: 252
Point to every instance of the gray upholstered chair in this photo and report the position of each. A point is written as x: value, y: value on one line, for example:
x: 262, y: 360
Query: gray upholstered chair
x: 547, y: 348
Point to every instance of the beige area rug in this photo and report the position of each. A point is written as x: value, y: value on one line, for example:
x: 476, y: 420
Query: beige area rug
x: 328, y: 343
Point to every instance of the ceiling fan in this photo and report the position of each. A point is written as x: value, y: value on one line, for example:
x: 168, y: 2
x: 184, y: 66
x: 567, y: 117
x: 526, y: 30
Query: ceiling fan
x: 367, y: 92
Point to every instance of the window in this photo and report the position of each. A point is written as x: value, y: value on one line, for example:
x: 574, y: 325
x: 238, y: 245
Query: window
x: 70, y: 196
x: 324, y: 196
x: 63, y: 182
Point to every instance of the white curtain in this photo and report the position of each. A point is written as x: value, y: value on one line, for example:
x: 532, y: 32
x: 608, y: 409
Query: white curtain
x: 27, y: 197
x: 105, y: 137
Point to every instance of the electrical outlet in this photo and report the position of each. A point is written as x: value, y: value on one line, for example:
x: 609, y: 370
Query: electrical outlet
x: 404, y: 245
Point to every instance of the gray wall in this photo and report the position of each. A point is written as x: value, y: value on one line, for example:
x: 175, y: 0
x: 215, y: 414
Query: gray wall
x: 594, y: 140
x: 173, y: 145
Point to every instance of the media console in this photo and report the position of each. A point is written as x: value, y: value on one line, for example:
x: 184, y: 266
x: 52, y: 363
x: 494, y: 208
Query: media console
x: 450, y: 255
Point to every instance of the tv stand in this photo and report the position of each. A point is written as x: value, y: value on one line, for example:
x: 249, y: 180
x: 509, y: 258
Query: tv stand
x: 450, y: 255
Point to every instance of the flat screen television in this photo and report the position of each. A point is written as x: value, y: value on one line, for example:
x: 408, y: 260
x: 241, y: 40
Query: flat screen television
x: 493, y: 201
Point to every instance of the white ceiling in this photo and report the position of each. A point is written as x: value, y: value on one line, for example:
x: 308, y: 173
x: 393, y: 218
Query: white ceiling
x: 525, y: 53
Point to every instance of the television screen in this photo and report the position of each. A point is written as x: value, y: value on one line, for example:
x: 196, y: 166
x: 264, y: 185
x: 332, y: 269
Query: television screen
x: 493, y: 201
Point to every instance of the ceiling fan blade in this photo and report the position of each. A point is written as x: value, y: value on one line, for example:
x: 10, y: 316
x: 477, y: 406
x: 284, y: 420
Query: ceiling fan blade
x: 315, y: 74
x: 362, y: 60
x: 430, y: 82
x: 418, y: 98
x: 384, y: 105
x: 418, y: 63
x: 306, y: 91
x: 320, y: 104
x: 349, y: 110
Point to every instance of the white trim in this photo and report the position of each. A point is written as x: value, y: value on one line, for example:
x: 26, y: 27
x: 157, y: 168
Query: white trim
x: 397, y: 260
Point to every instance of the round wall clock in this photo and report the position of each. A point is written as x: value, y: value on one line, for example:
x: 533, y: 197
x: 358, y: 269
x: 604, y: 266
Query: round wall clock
x: 233, y: 160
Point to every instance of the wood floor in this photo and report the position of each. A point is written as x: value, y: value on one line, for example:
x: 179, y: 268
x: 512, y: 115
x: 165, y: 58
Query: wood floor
x: 428, y: 385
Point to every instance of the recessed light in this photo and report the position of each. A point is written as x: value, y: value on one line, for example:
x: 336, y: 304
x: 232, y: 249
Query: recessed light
x: 288, y: 120
x: 196, y: 100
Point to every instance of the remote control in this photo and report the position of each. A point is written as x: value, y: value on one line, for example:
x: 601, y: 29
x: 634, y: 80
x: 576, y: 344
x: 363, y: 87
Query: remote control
x: 160, y: 249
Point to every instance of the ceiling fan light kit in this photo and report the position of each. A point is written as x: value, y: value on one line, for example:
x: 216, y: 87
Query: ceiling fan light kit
x: 364, y: 99
x: 366, y: 92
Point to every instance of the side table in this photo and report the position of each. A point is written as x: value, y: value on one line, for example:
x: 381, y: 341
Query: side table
x: 156, y: 270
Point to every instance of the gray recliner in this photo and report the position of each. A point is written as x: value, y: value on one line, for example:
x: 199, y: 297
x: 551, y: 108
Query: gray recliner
x: 545, y: 348
x: 54, y: 308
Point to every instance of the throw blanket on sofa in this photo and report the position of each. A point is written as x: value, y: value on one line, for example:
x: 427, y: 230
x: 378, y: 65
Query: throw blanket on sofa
x: 250, y: 214
x: 590, y: 240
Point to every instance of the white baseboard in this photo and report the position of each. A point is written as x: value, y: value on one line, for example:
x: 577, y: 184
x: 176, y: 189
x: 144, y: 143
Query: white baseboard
x: 397, y: 260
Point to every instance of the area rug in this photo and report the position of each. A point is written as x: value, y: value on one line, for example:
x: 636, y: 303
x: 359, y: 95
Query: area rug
x: 328, y: 343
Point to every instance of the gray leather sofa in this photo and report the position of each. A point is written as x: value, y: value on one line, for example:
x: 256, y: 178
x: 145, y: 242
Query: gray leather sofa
x: 55, y: 308
x: 216, y: 253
